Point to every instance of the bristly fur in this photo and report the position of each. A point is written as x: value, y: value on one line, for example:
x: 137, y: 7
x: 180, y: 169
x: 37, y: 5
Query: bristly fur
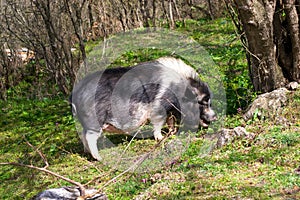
x: 120, y: 100
x: 179, y: 66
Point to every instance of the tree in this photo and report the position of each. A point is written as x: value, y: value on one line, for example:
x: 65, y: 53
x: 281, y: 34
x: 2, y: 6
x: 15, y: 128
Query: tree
x: 270, y: 32
x: 50, y: 29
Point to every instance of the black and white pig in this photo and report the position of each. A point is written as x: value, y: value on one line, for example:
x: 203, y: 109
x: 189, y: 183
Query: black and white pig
x: 120, y: 100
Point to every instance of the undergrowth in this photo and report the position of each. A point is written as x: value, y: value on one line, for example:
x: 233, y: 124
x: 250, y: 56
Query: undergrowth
x: 266, y: 167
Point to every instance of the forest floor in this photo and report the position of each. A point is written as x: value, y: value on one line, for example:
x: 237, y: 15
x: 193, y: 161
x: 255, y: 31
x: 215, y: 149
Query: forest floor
x: 265, y: 167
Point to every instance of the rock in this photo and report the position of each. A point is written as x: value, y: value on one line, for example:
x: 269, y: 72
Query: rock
x: 241, y: 132
x: 293, y: 85
x: 225, y: 136
x: 267, y: 105
x: 67, y: 193
x: 297, y: 171
x: 228, y: 135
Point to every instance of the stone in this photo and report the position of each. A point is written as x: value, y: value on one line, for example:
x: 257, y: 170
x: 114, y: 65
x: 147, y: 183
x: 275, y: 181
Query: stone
x: 241, y: 132
x: 267, y: 105
x: 226, y: 136
x: 67, y: 193
x: 293, y: 85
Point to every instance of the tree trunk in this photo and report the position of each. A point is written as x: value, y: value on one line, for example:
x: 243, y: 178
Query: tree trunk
x: 90, y: 14
x: 210, y: 9
x: 145, y: 12
x: 171, y: 22
x: 293, y: 27
x: 272, y: 34
x: 154, y: 13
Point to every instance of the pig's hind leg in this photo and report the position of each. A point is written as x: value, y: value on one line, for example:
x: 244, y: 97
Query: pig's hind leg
x: 89, y: 139
x: 158, y: 121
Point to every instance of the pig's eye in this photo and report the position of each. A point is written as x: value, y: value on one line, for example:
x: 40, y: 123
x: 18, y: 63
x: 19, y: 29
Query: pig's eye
x: 202, y: 103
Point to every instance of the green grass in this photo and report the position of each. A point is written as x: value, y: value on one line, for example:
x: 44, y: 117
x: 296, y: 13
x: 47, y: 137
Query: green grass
x: 260, y: 169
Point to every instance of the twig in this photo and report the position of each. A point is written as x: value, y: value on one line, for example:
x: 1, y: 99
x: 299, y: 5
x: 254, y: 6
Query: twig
x: 137, y: 132
x: 81, y: 187
x: 117, y: 163
x: 39, y: 152
x: 175, y: 107
x: 133, y: 167
x: 43, y: 169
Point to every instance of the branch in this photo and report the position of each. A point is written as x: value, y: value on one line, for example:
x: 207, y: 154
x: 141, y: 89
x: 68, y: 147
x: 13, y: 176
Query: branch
x: 39, y: 152
x: 81, y: 187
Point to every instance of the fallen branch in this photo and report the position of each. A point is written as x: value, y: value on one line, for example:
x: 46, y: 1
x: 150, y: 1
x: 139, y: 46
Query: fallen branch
x: 39, y: 152
x: 81, y: 187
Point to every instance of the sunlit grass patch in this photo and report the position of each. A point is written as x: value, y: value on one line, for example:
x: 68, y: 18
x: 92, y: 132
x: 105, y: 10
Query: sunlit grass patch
x: 261, y: 169
x: 264, y: 168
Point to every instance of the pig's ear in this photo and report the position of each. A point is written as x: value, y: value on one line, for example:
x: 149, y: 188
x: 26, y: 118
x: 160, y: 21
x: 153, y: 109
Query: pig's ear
x: 192, y: 94
x: 189, y: 94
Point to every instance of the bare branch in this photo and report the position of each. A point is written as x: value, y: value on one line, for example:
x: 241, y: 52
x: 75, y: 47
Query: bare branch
x: 81, y: 187
x: 39, y: 152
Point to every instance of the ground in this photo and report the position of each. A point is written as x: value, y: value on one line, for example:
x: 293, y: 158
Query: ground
x: 267, y: 167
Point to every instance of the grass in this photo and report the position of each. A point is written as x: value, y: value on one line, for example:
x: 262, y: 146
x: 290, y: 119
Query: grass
x: 263, y: 168
x: 260, y: 169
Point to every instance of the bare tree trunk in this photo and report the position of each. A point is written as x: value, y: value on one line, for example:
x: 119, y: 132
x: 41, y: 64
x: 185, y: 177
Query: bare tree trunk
x: 77, y: 24
x: 165, y: 12
x: 4, y: 73
x: 120, y: 14
x: 211, y: 12
x: 52, y: 64
x: 154, y: 13
x: 293, y: 27
x: 272, y: 41
x: 90, y: 13
x: 171, y: 22
x: 125, y: 11
x: 178, y: 15
x: 257, y: 20
x: 145, y: 12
